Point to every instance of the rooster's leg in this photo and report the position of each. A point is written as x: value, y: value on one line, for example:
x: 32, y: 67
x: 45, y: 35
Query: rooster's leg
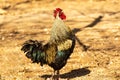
x: 53, y: 75
x: 58, y: 74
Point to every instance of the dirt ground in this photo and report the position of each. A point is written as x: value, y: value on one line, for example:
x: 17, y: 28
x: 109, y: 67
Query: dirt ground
x: 96, y: 24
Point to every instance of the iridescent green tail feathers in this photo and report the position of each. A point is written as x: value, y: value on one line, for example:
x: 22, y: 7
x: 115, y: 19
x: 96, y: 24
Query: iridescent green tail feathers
x: 34, y: 50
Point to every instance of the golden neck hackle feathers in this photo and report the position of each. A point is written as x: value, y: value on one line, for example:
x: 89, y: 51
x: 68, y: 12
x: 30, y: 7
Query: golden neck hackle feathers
x: 59, y: 32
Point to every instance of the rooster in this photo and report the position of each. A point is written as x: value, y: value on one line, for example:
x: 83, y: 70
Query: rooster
x: 57, y: 50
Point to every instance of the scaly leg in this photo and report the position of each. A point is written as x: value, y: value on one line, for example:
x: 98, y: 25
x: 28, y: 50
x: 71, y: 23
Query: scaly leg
x: 58, y: 75
x: 53, y: 75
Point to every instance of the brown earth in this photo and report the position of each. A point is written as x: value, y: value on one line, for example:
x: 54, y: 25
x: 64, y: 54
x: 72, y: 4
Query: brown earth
x: 95, y: 22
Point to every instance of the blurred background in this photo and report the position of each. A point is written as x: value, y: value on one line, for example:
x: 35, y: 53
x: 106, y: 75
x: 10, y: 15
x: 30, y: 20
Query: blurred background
x: 96, y: 24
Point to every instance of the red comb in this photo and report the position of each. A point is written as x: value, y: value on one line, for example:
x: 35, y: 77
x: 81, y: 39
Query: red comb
x: 58, y: 9
x: 61, y: 15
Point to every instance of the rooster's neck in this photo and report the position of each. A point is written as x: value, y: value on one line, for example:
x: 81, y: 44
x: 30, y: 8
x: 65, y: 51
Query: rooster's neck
x: 59, y: 31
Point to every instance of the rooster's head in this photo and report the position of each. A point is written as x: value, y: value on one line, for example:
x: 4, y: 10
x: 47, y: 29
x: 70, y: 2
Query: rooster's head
x: 58, y: 12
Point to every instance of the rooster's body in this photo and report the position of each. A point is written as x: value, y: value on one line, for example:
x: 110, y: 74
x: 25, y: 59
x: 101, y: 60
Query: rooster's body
x: 58, y: 49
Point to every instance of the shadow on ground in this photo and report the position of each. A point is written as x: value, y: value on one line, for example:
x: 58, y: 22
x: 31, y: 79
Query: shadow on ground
x: 92, y: 24
x: 72, y: 74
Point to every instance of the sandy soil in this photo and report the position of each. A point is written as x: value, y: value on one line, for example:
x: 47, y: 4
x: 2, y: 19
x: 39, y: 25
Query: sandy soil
x: 95, y: 22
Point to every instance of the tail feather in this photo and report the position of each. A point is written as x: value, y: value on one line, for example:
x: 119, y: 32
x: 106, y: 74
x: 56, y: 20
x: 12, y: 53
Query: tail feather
x: 33, y: 50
